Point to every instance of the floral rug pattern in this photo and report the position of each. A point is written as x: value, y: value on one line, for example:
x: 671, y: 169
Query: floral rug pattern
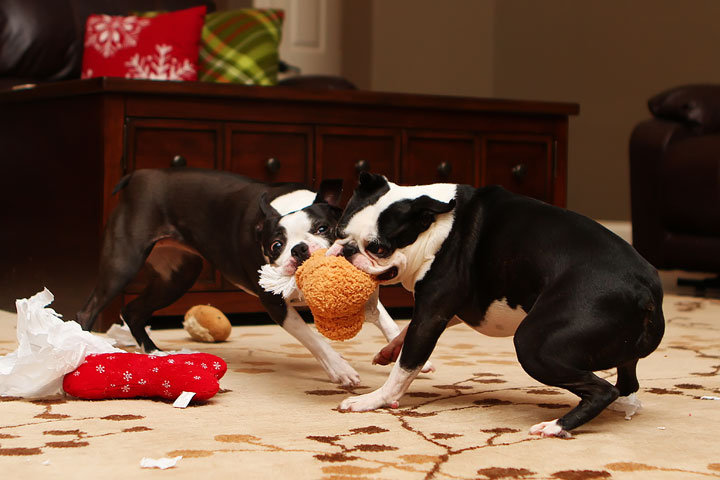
x: 277, y: 414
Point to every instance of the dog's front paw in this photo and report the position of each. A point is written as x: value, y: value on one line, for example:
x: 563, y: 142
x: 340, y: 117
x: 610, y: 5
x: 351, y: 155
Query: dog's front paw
x: 549, y: 429
x: 344, y: 375
x: 364, y: 403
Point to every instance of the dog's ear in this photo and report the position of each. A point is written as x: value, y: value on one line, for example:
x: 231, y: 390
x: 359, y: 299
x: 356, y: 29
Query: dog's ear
x: 265, y: 207
x: 329, y: 192
x: 268, y: 212
x: 369, y: 183
x: 431, y: 205
x: 425, y: 208
x: 409, y: 218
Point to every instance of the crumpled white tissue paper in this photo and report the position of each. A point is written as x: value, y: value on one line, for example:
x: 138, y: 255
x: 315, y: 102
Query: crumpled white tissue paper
x: 629, y: 405
x: 48, y: 348
x: 122, y: 335
x: 161, y: 463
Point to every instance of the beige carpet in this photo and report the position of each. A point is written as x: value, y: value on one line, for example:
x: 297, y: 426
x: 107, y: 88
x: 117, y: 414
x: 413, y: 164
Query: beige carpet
x: 276, y: 416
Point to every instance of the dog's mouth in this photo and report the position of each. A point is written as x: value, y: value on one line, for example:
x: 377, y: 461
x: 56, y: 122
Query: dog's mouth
x: 388, y: 274
x: 288, y: 268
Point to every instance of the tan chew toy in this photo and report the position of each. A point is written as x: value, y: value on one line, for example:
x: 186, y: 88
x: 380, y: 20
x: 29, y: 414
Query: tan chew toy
x: 207, y: 324
x: 336, y: 292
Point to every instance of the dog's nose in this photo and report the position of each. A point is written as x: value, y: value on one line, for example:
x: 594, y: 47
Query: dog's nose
x: 349, y: 250
x: 300, y: 252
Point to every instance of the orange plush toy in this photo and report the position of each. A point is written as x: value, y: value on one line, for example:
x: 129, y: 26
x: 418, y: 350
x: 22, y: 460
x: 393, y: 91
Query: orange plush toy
x: 336, y: 292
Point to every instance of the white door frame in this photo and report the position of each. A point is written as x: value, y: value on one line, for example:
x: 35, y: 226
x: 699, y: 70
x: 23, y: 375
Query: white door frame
x: 312, y: 37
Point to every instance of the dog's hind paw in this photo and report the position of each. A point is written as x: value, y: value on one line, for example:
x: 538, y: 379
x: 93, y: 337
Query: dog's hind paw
x: 549, y: 429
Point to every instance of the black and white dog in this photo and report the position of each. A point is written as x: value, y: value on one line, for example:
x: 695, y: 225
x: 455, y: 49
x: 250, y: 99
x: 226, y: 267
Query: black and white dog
x: 577, y: 298
x: 169, y: 219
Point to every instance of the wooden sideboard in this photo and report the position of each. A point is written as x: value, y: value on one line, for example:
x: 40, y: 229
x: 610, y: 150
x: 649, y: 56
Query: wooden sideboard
x: 64, y: 146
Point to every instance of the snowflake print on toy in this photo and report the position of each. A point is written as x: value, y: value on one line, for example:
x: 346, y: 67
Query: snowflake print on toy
x: 130, y: 375
x: 160, y: 48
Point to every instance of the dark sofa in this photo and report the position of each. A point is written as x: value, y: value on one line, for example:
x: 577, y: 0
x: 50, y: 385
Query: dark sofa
x: 675, y: 180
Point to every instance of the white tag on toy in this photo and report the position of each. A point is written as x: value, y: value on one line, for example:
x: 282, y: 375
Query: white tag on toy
x: 183, y: 400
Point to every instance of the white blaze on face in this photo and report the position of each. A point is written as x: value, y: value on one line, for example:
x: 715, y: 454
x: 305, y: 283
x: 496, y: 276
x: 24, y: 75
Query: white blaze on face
x: 414, y: 260
x: 298, y: 227
x: 293, y: 201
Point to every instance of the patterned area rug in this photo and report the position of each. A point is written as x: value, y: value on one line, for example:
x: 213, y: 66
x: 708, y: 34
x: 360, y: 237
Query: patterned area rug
x: 276, y: 416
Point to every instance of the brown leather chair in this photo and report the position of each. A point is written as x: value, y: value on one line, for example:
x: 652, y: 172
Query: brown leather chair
x: 675, y: 181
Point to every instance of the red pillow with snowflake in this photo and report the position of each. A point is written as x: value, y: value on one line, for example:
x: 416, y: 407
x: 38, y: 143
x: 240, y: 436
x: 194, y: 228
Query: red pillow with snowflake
x: 160, y: 48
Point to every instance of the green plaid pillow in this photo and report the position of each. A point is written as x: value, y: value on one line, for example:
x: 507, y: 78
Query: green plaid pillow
x: 241, y: 46
x: 238, y: 46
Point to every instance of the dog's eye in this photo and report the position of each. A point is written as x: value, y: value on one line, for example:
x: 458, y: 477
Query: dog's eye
x: 321, y: 229
x: 376, y: 249
x: 276, y: 247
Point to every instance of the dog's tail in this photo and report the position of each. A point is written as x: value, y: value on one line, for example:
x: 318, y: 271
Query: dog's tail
x: 122, y: 183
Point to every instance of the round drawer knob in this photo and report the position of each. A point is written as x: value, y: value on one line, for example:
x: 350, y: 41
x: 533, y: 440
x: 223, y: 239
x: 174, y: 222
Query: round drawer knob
x: 178, y: 161
x: 519, y: 171
x: 272, y: 165
x: 444, y: 169
x: 362, y: 165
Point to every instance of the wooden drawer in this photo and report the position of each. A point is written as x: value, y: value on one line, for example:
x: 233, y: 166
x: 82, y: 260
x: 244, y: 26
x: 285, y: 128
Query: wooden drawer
x: 522, y: 164
x: 440, y: 158
x: 345, y: 152
x: 164, y: 143
x: 271, y: 153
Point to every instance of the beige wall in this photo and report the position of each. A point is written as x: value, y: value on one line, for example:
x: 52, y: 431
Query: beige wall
x: 432, y: 46
x: 609, y: 56
x: 357, y: 35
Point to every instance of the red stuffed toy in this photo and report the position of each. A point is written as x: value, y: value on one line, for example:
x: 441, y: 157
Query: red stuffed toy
x: 129, y: 375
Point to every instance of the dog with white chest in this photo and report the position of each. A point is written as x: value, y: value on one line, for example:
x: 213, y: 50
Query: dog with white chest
x: 576, y: 298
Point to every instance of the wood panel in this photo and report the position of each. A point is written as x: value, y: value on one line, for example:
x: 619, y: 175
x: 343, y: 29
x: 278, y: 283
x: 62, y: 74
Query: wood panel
x: 431, y: 157
x: 522, y: 164
x: 345, y: 152
x: 51, y: 199
x: 271, y: 153
x: 164, y: 144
